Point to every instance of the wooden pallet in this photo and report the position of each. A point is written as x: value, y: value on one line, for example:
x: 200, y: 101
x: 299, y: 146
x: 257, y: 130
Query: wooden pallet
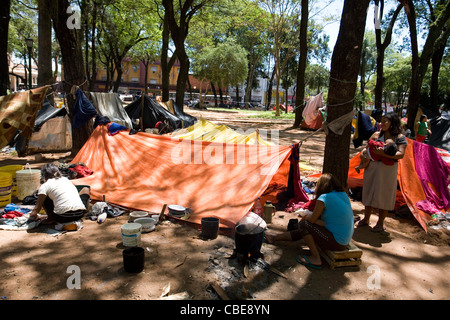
x: 346, y: 258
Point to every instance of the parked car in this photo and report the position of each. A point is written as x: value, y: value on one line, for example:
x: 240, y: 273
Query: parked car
x: 126, y: 97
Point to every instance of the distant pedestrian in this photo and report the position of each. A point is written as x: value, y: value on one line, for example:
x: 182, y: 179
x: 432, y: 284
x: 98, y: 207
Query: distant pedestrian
x: 422, y: 129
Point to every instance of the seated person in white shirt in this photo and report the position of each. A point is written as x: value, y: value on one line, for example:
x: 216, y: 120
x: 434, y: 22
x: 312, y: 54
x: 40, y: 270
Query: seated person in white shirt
x: 59, y: 197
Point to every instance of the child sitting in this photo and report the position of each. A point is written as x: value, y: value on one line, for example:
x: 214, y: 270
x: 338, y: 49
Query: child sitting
x: 390, y: 148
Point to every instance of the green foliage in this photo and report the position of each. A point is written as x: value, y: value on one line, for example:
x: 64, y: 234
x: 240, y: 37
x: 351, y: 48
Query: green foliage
x: 225, y: 64
x: 23, y: 25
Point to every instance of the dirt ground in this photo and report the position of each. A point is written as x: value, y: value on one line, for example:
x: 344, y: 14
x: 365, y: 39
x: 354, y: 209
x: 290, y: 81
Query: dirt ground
x: 403, y: 263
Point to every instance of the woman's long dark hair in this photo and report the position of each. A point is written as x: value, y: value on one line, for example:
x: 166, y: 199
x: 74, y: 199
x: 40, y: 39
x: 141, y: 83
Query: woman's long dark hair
x: 396, y: 126
x: 50, y: 171
x: 327, y: 183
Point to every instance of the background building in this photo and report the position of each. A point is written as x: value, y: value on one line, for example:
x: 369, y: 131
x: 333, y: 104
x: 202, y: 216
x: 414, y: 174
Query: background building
x: 18, y: 76
x: 133, y: 78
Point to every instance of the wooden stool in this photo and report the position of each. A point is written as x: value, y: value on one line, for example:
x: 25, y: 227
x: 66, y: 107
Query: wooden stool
x: 351, y: 257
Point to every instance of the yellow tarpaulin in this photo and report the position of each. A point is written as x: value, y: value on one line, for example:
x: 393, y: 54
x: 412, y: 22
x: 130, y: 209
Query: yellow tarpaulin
x: 207, y: 131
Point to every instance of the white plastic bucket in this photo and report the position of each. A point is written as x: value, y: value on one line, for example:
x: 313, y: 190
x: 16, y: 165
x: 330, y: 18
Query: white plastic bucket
x: 131, y: 234
x: 5, y: 188
x: 12, y: 169
x: 28, y: 181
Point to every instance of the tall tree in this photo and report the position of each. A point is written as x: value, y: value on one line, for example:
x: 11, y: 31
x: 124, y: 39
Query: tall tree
x: 145, y: 52
x: 4, y: 26
x: 343, y: 79
x: 303, y: 59
x: 179, y: 19
x: 45, y: 74
x: 283, y: 25
x: 209, y: 66
x: 437, y: 34
x: 122, y: 29
x: 381, y: 47
x: 368, y: 64
x: 166, y: 62
x: 69, y: 39
x: 437, y: 57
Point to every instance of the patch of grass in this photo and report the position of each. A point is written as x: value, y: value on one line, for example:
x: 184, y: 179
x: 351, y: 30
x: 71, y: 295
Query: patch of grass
x: 271, y: 115
x: 261, y: 114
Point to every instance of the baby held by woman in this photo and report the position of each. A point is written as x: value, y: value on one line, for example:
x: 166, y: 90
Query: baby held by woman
x: 389, y: 147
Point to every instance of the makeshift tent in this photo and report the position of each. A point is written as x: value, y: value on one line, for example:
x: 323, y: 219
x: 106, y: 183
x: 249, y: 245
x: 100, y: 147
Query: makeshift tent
x: 440, y: 136
x: 155, y: 112
x: 52, y: 131
x: 415, y: 190
x: 35, y: 125
x: 18, y: 112
x: 312, y: 115
x: 363, y: 127
x: 109, y: 105
x: 207, y: 131
x: 144, y: 171
x: 187, y: 119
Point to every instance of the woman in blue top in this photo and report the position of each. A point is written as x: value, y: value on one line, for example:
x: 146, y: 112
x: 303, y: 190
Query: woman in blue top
x: 330, y: 226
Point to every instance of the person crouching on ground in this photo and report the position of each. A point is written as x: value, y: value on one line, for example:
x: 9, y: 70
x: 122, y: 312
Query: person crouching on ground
x: 330, y: 226
x: 59, y: 197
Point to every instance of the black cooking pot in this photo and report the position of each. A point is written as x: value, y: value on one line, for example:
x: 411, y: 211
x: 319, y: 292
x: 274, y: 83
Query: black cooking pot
x: 248, y: 240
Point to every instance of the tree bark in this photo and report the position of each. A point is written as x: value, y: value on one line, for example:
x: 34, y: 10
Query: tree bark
x: 72, y: 60
x: 419, y: 65
x: 381, y: 48
x: 166, y: 64
x: 93, y: 49
x: 270, y: 89
x: 300, y: 92
x: 179, y: 31
x: 436, y: 61
x: 213, y: 88
x: 345, y: 64
x: 5, y: 16
x: 45, y: 74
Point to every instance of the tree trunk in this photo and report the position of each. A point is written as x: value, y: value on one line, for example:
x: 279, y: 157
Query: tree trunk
x: 166, y: 64
x: 436, y: 61
x: 146, y: 64
x: 419, y: 65
x: 362, y: 78
x: 4, y: 26
x: 248, y: 88
x: 269, y: 90
x: 343, y: 79
x: 179, y: 32
x: 277, y: 81
x: 183, y: 77
x: 221, y: 94
x: 93, y: 50
x: 118, y: 80
x: 74, y: 71
x: 300, y: 92
x: 45, y: 75
x: 381, y: 48
x: 213, y: 88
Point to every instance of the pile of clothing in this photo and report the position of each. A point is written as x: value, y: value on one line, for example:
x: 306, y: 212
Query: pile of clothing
x: 14, y: 217
x: 74, y: 170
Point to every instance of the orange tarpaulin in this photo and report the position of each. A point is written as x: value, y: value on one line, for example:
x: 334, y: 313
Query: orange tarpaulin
x: 410, y: 185
x: 145, y: 171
